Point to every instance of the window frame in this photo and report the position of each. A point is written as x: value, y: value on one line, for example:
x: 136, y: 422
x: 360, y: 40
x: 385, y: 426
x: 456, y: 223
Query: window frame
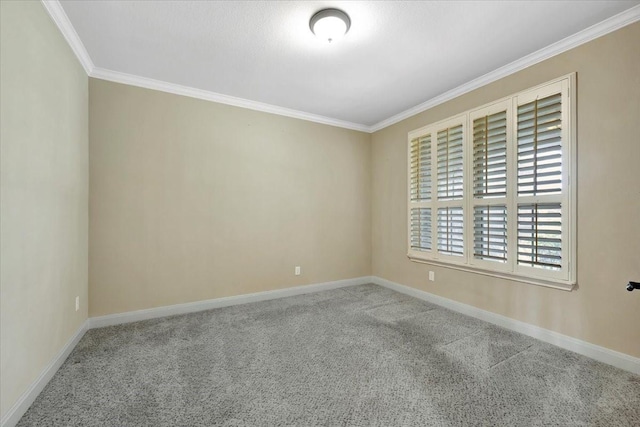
x: 564, y: 278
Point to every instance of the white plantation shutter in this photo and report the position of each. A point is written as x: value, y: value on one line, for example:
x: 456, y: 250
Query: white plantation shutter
x: 540, y: 235
x: 540, y: 159
x: 490, y: 155
x: 540, y: 146
x: 490, y: 232
x: 420, y: 197
x: 498, y: 199
x: 436, y: 191
x: 420, y: 186
x: 489, y: 167
x: 450, y: 163
x: 450, y: 231
x: 450, y: 189
x: 421, y: 229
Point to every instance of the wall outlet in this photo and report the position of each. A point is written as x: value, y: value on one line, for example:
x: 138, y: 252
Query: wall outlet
x: 297, y: 270
x: 77, y: 303
x: 432, y: 276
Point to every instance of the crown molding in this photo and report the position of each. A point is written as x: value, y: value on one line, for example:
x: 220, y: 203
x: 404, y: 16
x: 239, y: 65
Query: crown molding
x: 144, y: 82
x: 600, y: 29
x: 609, y: 25
x: 61, y: 19
x: 57, y: 13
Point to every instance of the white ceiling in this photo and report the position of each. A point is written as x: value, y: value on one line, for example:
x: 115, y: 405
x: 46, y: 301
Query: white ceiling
x: 396, y: 55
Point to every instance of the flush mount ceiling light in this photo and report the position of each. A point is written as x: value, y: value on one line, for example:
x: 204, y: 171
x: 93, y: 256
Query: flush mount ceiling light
x: 330, y: 24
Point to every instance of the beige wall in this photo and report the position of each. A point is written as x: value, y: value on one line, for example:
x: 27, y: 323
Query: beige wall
x: 600, y: 311
x: 44, y: 194
x: 192, y: 200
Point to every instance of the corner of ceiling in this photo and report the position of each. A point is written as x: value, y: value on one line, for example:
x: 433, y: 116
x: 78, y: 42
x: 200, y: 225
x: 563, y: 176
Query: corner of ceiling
x: 59, y: 16
x: 609, y: 25
x: 57, y: 13
x: 61, y: 19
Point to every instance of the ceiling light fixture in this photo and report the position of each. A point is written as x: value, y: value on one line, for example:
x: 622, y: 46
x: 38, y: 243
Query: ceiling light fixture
x: 330, y: 24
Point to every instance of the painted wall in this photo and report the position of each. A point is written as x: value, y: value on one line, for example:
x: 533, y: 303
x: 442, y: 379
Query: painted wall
x: 44, y: 195
x: 600, y: 311
x: 192, y: 200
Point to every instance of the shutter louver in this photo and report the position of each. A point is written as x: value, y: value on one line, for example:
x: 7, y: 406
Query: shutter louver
x: 540, y: 147
x: 490, y: 233
x: 490, y: 156
x: 421, y: 169
x: 450, y: 231
x: 540, y: 235
x: 421, y: 229
x: 450, y: 163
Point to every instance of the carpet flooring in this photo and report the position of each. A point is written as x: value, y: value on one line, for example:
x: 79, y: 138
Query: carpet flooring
x: 357, y: 356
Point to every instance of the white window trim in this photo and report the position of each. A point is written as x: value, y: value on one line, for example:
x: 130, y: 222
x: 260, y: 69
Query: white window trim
x: 564, y: 279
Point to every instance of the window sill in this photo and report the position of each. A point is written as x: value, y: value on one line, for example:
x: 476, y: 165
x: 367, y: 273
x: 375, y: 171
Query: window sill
x: 564, y: 286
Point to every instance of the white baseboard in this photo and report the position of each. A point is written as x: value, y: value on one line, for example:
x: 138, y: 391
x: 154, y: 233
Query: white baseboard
x: 601, y: 354
x: 191, y: 307
x: 18, y: 409
x: 24, y: 402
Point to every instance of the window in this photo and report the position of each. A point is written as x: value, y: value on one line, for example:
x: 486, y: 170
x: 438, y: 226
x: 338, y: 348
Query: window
x: 490, y: 190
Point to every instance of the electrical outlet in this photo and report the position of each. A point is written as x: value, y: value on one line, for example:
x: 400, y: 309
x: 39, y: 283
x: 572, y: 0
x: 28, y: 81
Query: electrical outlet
x: 297, y: 270
x: 432, y: 276
x: 77, y: 303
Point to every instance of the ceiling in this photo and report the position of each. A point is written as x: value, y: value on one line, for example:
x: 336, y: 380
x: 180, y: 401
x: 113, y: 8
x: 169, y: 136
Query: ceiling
x: 396, y: 55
